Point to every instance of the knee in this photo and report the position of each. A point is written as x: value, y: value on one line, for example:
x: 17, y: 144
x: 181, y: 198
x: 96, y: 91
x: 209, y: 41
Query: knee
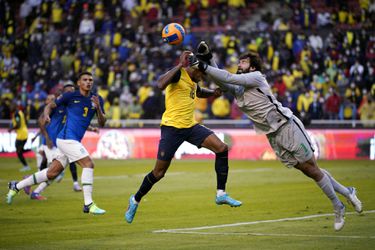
x: 159, y: 174
x: 222, y: 147
x: 314, y: 172
x: 52, y: 173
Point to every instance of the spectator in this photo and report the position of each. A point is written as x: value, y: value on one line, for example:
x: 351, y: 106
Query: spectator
x: 221, y: 108
x: 332, y: 105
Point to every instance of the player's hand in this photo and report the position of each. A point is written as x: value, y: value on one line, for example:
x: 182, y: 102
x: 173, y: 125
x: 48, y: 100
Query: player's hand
x: 196, y: 64
x: 218, y: 92
x: 203, y: 52
x: 95, y: 101
x: 49, y: 143
x: 95, y: 129
x: 47, y: 119
x: 184, y: 58
x: 10, y: 130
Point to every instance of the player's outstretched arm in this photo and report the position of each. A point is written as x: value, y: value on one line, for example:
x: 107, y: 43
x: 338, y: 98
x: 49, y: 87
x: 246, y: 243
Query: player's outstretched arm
x: 173, y: 75
x: 205, y: 93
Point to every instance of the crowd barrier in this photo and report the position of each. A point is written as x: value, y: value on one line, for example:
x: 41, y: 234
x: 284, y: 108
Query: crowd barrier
x: 244, y: 144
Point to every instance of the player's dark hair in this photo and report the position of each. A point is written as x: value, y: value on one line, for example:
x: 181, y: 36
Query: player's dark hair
x: 255, y: 60
x: 84, y: 73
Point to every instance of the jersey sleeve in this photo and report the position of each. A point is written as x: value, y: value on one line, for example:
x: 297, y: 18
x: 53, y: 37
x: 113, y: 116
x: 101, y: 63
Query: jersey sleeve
x: 64, y: 99
x: 252, y: 79
x: 176, y: 77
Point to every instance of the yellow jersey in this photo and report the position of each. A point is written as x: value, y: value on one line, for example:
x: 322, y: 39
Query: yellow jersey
x: 22, y: 132
x: 179, y: 103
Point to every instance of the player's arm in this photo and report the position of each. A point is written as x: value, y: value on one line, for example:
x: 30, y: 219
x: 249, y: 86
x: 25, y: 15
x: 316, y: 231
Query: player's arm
x: 17, y: 124
x: 60, y: 101
x: 252, y: 79
x: 205, y: 93
x: 47, y: 111
x: 93, y: 129
x: 42, y: 125
x: 173, y: 75
x: 99, y: 110
x: 36, y: 136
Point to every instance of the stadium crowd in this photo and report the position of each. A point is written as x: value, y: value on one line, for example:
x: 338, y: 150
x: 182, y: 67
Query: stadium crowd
x: 318, y: 55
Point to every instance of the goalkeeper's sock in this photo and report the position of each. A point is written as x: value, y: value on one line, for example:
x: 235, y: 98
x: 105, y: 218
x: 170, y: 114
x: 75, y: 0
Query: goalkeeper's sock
x: 336, y: 185
x: 327, y: 188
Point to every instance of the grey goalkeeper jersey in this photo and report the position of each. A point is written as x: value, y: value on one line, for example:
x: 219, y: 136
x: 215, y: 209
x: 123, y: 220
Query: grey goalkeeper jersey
x: 254, y: 98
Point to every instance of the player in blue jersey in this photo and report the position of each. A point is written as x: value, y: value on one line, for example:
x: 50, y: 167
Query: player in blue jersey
x: 81, y: 106
x: 49, y: 134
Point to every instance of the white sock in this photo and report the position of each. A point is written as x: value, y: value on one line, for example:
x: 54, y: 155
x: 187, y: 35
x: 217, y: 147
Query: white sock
x: 220, y: 192
x: 87, y: 179
x: 326, y: 186
x: 41, y: 187
x: 33, y: 179
x: 39, y: 159
x: 336, y: 185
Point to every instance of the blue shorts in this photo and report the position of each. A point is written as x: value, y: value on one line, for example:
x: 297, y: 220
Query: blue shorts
x: 171, y: 138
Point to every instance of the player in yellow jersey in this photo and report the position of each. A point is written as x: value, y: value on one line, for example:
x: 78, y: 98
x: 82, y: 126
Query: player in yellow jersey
x: 20, y: 126
x: 178, y: 125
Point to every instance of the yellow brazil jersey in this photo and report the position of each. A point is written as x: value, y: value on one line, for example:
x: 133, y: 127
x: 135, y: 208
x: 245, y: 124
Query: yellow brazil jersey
x: 22, y: 132
x: 179, y: 103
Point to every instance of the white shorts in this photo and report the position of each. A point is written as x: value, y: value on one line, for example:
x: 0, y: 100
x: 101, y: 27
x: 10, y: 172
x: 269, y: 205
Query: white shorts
x: 51, y: 153
x: 71, y: 150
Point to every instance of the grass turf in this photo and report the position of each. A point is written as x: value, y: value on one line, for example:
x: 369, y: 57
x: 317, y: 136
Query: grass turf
x: 185, y: 199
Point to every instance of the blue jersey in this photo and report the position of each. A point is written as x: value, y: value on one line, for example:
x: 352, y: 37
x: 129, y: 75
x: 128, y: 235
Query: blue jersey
x: 79, y: 112
x: 57, y: 122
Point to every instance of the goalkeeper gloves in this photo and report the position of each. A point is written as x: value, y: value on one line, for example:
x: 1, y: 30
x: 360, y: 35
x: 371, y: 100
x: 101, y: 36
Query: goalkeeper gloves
x: 197, y: 64
x: 203, y: 52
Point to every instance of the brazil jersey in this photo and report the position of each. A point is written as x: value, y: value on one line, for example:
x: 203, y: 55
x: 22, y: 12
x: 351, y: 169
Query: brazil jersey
x: 179, y: 103
x: 57, y: 122
x: 79, y: 112
x: 19, y: 118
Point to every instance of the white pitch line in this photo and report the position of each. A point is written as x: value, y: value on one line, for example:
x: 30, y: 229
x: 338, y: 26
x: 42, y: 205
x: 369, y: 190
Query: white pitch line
x: 269, y: 234
x: 184, y: 230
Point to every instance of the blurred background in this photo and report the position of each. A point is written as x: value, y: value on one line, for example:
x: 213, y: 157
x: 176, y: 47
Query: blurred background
x: 318, y: 55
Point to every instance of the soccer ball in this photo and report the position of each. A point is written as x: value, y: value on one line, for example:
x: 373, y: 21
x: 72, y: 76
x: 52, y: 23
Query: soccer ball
x: 173, y: 33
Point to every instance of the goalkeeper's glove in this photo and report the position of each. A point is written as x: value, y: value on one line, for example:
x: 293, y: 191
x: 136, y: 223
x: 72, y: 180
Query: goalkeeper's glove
x: 203, y: 52
x: 197, y: 64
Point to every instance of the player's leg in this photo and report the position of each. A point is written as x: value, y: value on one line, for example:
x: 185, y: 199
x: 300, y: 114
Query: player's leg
x: 87, y: 180
x: 171, y: 138
x: 76, y: 152
x: 310, y: 169
x: 41, y: 176
x: 349, y: 192
x: 293, y: 146
x: 204, y: 137
x: 50, y: 154
x: 73, y: 171
x: 19, y: 149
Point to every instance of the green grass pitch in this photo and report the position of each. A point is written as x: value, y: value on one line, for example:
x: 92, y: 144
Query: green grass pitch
x: 185, y: 199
